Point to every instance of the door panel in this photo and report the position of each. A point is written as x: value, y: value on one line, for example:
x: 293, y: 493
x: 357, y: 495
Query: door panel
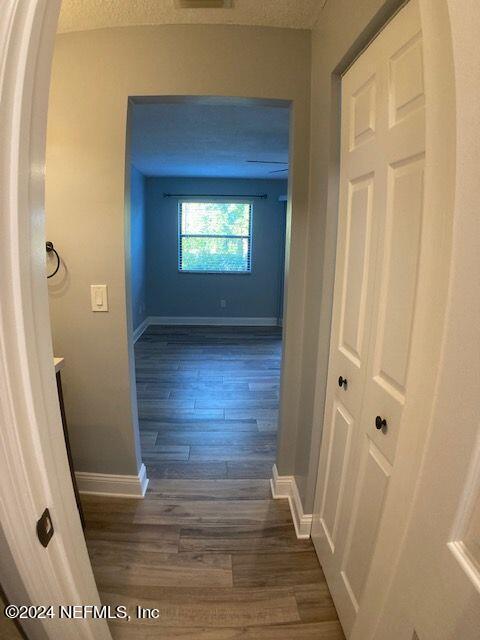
x: 378, y: 252
x: 397, y: 297
x: 336, y: 469
x: 363, y: 109
x: 357, y: 252
x: 374, y: 476
x: 395, y: 304
x: 406, y: 80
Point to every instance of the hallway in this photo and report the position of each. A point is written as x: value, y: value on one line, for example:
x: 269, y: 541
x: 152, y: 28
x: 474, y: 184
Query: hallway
x: 208, y: 546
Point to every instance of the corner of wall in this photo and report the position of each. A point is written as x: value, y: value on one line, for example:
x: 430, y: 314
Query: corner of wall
x: 286, y: 487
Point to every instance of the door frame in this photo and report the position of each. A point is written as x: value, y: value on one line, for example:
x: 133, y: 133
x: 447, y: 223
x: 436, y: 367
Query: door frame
x: 34, y: 472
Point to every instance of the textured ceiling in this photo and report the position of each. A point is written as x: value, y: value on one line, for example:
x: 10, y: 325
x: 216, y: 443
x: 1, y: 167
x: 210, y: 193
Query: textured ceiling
x: 209, y: 140
x: 80, y: 15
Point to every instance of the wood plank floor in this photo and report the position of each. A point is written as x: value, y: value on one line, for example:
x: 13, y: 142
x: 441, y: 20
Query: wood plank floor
x: 208, y: 401
x: 208, y: 546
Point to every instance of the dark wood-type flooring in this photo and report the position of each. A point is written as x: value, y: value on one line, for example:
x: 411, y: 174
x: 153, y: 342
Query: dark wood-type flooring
x: 208, y: 546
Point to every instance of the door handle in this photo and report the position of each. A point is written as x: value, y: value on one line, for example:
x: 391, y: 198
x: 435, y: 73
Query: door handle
x: 380, y: 422
x: 342, y: 382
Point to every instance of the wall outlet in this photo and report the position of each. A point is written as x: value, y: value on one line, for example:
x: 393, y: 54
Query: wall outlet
x: 223, y: 304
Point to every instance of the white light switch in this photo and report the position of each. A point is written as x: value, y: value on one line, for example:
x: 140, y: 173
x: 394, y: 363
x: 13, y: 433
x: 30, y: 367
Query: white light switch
x: 98, y: 293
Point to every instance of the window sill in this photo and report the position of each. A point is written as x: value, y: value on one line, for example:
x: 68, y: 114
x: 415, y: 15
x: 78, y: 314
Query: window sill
x: 217, y: 273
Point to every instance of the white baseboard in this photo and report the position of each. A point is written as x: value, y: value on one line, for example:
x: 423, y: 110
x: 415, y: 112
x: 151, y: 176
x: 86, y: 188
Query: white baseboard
x: 105, y: 484
x: 286, y: 487
x: 140, y: 329
x: 213, y: 321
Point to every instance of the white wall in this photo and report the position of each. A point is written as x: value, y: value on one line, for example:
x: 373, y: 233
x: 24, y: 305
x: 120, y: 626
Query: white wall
x: 253, y: 295
x: 94, y: 73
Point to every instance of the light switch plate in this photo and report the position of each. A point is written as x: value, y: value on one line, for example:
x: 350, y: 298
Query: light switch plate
x: 99, y: 297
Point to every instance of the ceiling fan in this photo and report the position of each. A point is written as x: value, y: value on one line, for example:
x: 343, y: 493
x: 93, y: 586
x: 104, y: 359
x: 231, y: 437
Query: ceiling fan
x: 270, y: 162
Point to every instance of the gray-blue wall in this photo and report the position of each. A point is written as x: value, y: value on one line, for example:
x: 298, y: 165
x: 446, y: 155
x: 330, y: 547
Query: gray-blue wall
x: 138, y: 232
x: 254, y: 295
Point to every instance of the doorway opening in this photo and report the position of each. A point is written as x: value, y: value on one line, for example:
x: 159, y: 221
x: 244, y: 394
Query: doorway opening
x: 208, y: 191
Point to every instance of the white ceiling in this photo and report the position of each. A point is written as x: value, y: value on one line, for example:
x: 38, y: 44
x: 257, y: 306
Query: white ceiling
x: 80, y: 15
x: 209, y: 140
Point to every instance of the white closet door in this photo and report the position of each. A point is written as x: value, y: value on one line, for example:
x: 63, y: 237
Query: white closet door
x: 360, y: 202
x: 378, y: 249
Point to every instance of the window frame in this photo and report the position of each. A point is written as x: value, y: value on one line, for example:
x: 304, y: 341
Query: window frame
x: 214, y: 200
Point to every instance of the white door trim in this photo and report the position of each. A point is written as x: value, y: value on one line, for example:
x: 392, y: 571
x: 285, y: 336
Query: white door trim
x: 34, y: 471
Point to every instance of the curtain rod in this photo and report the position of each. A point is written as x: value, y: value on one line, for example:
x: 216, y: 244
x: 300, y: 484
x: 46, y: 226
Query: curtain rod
x: 263, y: 196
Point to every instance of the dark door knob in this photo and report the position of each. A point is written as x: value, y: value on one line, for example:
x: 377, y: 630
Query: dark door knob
x: 380, y: 422
x: 342, y: 382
